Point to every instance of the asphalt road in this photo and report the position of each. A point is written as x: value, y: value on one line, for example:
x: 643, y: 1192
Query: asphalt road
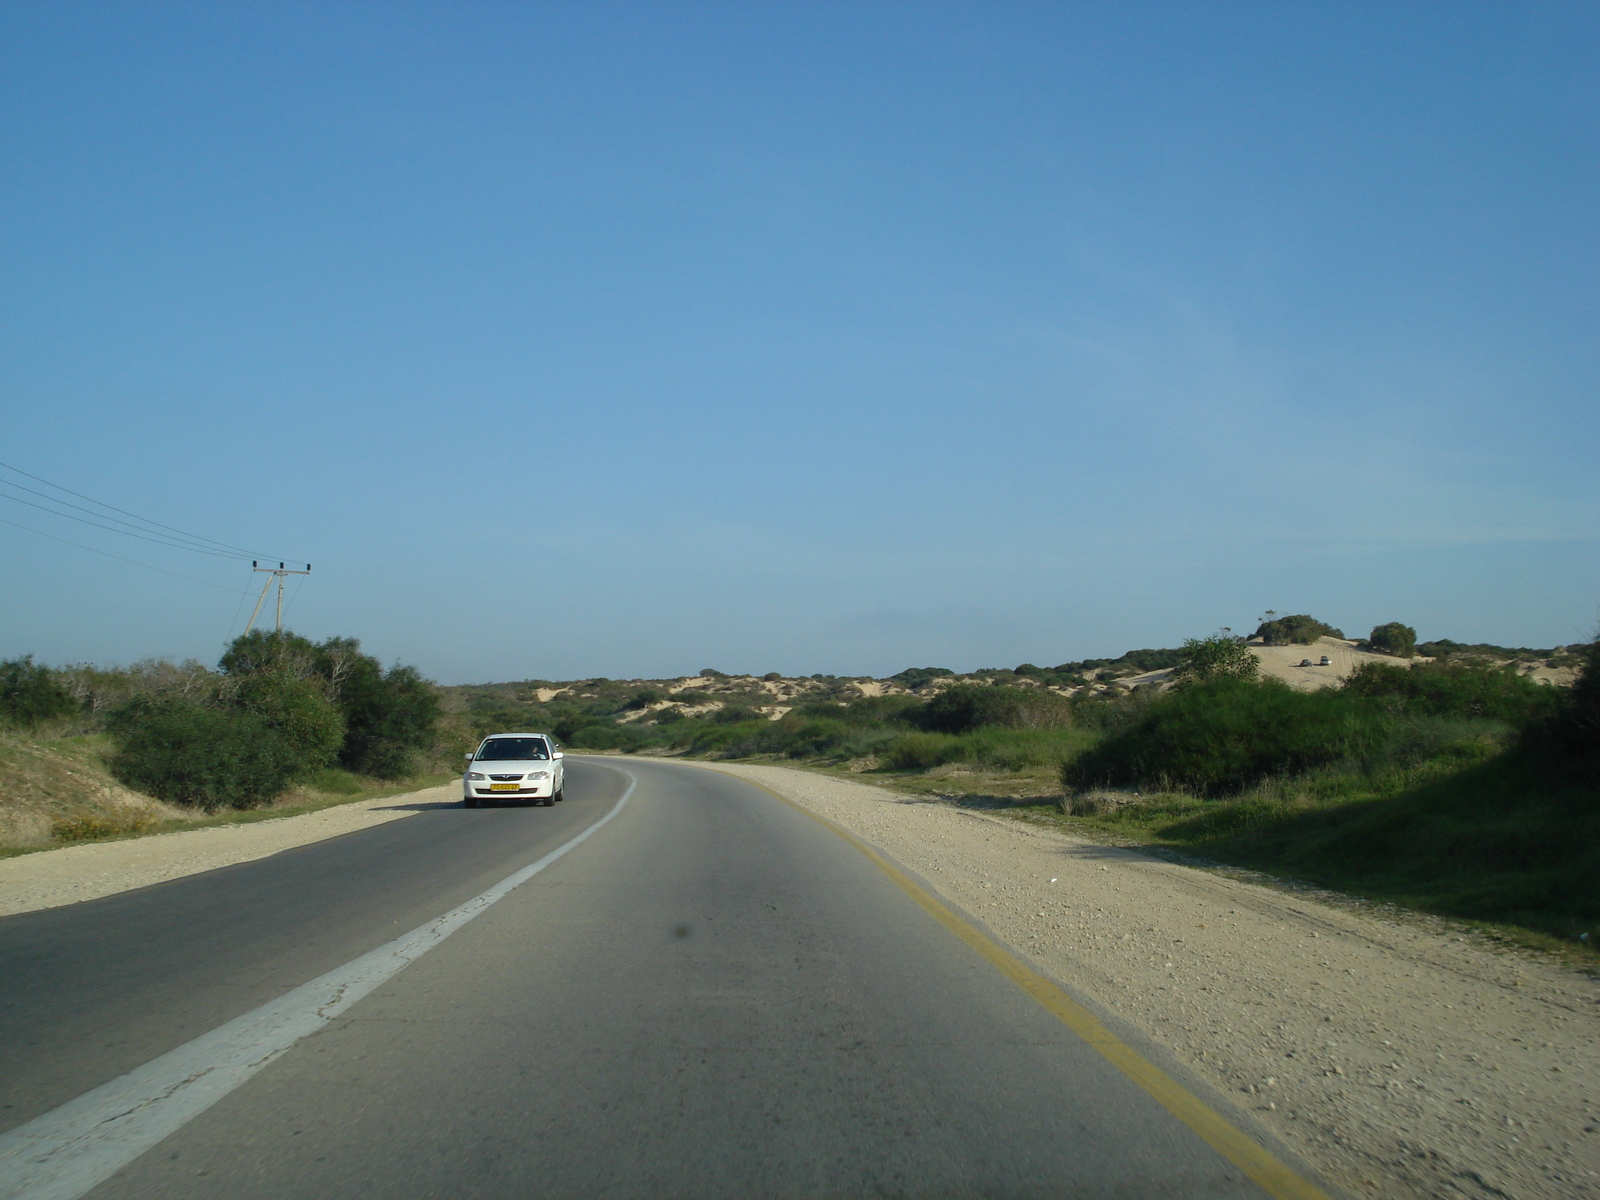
x: 712, y: 996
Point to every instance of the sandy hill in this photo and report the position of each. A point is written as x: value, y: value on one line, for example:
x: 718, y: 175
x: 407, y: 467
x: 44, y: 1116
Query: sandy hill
x: 1283, y: 662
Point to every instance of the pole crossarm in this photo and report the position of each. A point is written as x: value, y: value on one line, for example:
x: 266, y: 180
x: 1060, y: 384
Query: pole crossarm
x: 272, y: 573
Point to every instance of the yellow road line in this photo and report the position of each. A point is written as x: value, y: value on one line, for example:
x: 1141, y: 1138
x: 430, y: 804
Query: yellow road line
x: 1262, y: 1167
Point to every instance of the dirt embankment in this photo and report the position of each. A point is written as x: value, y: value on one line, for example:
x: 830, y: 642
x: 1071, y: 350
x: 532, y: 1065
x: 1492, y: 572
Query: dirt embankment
x: 1403, y: 1058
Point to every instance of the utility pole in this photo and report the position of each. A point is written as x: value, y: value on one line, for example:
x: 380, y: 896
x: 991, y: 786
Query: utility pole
x: 277, y: 572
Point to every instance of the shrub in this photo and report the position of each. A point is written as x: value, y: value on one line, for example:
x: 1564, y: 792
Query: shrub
x: 1298, y: 630
x: 300, y: 711
x: 388, y: 715
x: 1455, y: 690
x: 601, y: 736
x: 1394, y: 638
x: 86, y: 827
x: 920, y: 751
x: 1569, y: 741
x: 1017, y: 749
x: 968, y: 706
x: 1219, y: 656
x: 644, y: 698
x: 30, y: 693
x: 1217, y: 737
x: 812, y: 736
x: 1151, y: 660
x: 210, y: 758
x: 915, y: 677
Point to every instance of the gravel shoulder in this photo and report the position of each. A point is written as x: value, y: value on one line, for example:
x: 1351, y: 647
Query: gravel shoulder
x: 1401, y: 1061
x: 75, y: 873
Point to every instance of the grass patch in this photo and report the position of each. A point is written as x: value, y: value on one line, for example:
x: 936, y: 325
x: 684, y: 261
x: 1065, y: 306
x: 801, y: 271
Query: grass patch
x: 89, y: 827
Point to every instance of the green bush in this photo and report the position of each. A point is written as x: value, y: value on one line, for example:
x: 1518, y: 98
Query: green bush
x: 389, y: 716
x: 1219, y: 656
x: 300, y: 711
x: 30, y: 693
x: 915, y: 677
x: 210, y: 758
x: 734, y: 714
x: 1568, y: 742
x: 920, y: 751
x: 737, y: 740
x: 1217, y: 737
x: 1017, y: 749
x: 812, y: 736
x: 1455, y: 690
x: 605, y: 736
x: 968, y: 706
x: 1394, y: 638
x: 1301, y: 629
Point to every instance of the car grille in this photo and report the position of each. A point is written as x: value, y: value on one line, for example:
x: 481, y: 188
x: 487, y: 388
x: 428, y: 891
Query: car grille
x: 505, y: 778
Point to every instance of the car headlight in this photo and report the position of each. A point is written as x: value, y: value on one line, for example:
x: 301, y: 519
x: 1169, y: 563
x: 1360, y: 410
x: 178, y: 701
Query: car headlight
x: 540, y: 775
x: 473, y: 775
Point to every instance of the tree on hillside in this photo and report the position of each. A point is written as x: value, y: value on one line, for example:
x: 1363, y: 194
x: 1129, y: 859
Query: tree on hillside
x: 385, y: 716
x: 1301, y: 629
x: 1220, y: 656
x: 30, y: 693
x: 1394, y: 638
x: 389, y: 716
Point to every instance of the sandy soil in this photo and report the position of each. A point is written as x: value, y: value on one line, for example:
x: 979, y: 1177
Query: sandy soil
x: 1403, y: 1058
x: 1283, y: 662
x: 1345, y: 656
x: 75, y: 873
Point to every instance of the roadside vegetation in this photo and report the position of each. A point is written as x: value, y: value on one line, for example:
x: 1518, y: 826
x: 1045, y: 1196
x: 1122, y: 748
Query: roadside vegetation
x: 1440, y: 776
x: 1459, y: 786
x: 282, y: 724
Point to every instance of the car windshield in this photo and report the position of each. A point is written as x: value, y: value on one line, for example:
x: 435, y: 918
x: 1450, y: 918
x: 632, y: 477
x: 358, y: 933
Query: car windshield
x: 513, y: 749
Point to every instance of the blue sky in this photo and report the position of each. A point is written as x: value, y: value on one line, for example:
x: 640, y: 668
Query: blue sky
x: 629, y: 339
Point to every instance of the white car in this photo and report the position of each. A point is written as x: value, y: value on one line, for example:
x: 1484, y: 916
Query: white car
x: 526, y: 767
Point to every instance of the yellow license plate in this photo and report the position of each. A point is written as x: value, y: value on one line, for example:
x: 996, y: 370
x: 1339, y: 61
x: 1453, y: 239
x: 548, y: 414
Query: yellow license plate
x: 504, y: 787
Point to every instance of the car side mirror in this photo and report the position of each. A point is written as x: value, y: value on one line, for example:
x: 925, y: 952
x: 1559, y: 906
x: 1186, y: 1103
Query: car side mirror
x: 469, y: 756
x: 559, y: 754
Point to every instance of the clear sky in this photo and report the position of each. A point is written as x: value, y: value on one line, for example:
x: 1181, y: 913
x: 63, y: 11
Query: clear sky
x: 574, y: 339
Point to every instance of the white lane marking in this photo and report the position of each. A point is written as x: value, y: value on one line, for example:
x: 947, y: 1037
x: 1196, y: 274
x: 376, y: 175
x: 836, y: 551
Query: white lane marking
x: 64, y: 1153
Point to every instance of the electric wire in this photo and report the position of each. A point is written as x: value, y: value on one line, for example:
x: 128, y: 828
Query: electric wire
x: 137, y: 529
x: 300, y: 582
x: 234, y: 620
x: 119, y: 558
x: 194, y: 537
x: 113, y: 529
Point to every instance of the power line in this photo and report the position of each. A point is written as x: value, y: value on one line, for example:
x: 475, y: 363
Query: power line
x: 119, y: 558
x: 92, y: 513
x: 114, y: 529
x: 193, y: 537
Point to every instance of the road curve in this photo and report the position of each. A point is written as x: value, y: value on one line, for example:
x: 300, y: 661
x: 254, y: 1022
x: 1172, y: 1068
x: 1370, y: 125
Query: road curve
x: 712, y: 996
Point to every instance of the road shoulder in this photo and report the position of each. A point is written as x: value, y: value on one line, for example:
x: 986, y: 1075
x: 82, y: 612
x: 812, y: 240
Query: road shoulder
x: 76, y: 873
x: 1397, y: 1060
